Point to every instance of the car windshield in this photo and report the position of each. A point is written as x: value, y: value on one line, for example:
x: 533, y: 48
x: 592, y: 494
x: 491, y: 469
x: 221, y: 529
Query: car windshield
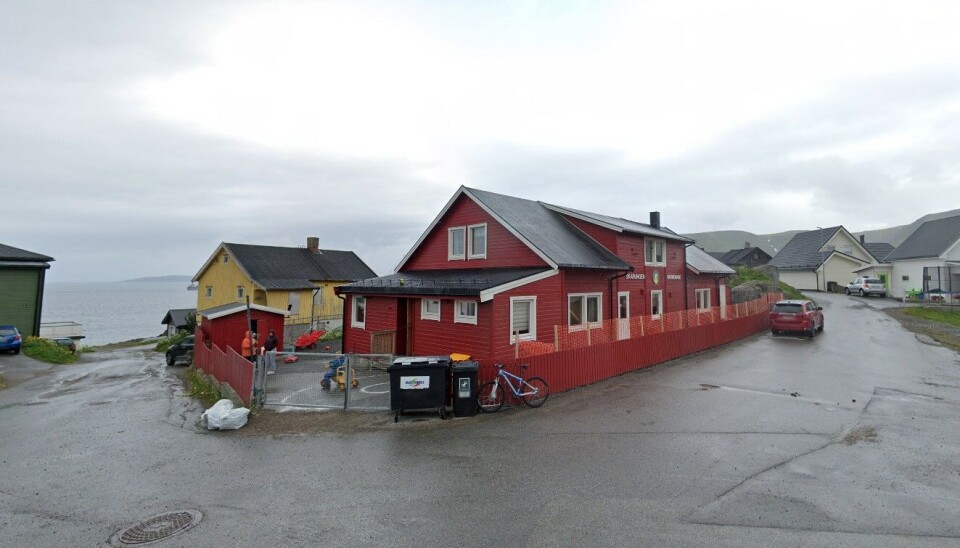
x: 789, y: 308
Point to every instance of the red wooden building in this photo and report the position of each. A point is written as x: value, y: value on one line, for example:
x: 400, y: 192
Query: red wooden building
x: 226, y: 325
x: 491, y: 269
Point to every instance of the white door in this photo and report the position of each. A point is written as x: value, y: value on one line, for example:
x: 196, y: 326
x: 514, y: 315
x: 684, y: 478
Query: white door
x: 623, y: 315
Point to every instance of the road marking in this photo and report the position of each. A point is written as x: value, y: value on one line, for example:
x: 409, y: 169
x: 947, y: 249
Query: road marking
x: 366, y: 389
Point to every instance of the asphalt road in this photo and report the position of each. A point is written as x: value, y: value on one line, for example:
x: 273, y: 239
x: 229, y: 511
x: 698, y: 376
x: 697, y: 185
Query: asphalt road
x: 849, y: 439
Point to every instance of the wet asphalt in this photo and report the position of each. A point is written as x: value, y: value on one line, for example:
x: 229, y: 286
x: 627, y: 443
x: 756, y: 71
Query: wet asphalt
x: 848, y: 439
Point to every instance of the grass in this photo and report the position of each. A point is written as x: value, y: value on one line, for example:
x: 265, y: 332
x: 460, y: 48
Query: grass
x: 199, y: 386
x: 167, y: 342
x: 48, y: 351
x: 333, y: 334
x: 746, y: 275
x: 947, y: 316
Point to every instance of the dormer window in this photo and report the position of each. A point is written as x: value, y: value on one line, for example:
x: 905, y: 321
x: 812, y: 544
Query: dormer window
x: 457, y: 243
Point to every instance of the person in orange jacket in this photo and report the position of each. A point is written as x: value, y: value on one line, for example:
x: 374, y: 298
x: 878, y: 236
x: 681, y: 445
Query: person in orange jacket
x: 248, y: 345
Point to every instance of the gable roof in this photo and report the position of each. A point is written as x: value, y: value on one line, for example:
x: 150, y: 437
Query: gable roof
x: 879, y: 250
x: 701, y: 262
x: 802, y: 252
x: 178, y: 316
x: 737, y: 256
x: 271, y: 267
x: 15, y: 254
x: 930, y: 239
x: 471, y: 282
x: 233, y: 308
x: 543, y: 229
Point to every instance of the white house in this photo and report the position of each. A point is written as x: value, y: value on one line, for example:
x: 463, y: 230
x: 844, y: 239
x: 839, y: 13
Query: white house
x: 812, y: 260
x: 928, y: 261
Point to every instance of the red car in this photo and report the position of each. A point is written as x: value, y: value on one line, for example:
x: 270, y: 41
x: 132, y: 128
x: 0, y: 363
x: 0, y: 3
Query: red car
x: 796, y: 315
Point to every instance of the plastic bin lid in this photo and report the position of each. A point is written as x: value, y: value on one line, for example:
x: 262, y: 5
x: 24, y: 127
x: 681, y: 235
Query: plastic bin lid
x: 465, y: 366
x: 422, y: 360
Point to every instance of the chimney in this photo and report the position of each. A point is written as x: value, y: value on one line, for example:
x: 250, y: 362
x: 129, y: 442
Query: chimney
x: 655, y: 219
x: 863, y: 238
x: 746, y: 245
x: 313, y: 244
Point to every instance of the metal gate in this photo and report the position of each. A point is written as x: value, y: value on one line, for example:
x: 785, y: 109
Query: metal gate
x: 323, y: 380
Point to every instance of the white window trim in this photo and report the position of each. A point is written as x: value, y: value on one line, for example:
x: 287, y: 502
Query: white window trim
x: 658, y: 292
x: 241, y: 291
x: 450, y: 239
x: 424, y: 315
x: 584, y: 323
x: 461, y: 318
x: 655, y: 262
x: 532, y: 335
x: 705, y: 299
x: 353, y: 312
x: 619, y: 295
x: 486, y: 242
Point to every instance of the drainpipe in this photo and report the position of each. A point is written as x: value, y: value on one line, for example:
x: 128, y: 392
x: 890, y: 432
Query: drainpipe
x: 313, y: 304
x: 614, y: 305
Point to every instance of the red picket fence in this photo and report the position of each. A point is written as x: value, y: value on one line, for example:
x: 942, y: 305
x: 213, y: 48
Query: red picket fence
x: 581, y: 364
x: 227, y: 367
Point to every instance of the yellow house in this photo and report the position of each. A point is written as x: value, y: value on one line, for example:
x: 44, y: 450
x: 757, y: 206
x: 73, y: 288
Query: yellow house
x: 298, y: 280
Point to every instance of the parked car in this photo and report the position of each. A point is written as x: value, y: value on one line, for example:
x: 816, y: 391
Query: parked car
x: 10, y: 339
x: 181, y: 351
x: 796, y: 315
x: 866, y: 286
x: 67, y: 343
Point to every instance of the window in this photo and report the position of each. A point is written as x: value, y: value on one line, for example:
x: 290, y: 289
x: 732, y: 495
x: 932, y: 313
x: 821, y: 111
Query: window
x: 239, y: 292
x: 456, y: 240
x: 209, y: 291
x: 477, y: 248
x: 465, y: 312
x: 293, y: 301
x: 226, y: 258
x: 654, y: 252
x: 359, y: 316
x: 703, y: 299
x: 656, y: 303
x: 583, y: 309
x: 906, y: 278
x: 523, y: 319
x: 430, y: 309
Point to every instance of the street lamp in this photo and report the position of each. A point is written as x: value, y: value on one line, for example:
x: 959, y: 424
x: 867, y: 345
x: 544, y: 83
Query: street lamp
x: 820, y: 251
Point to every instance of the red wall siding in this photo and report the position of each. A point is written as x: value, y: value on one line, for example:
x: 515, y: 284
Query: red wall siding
x: 433, y: 338
x: 229, y: 331
x: 704, y: 281
x: 550, y: 312
x: 381, y: 316
x: 604, y: 236
x: 503, y: 248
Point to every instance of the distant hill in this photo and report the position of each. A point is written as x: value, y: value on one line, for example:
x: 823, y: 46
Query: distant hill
x: 177, y: 279
x: 725, y: 240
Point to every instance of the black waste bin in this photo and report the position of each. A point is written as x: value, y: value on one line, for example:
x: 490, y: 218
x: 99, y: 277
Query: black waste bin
x: 419, y: 382
x: 464, y: 388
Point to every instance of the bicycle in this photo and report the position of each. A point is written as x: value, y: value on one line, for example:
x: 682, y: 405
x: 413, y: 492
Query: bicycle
x: 533, y: 391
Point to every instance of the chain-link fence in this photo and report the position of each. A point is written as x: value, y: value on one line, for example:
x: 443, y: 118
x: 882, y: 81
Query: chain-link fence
x: 324, y: 380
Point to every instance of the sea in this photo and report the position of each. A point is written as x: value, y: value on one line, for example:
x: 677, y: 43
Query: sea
x: 113, y: 312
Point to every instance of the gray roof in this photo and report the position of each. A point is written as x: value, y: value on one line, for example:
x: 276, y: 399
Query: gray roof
x: 700, y: 261
x: 548, y: 232
x: 296, y: 267
x: 467, y: 282
x: 801, y: 252
x: 930, y: 239
x: 738, y: 256
x: 625, y: 225
x: 9, y: 253
x: 879, y: 250
x: 178, y: 316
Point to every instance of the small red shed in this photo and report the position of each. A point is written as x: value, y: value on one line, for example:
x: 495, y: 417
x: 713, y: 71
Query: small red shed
x: 226, y: 325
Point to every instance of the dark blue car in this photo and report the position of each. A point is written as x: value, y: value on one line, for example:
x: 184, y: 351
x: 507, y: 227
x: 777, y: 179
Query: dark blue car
x: 9, y: 339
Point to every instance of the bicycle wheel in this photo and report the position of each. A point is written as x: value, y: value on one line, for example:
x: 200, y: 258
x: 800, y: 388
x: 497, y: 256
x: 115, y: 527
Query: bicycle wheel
x: 490, y: 397
x: 535, y: 392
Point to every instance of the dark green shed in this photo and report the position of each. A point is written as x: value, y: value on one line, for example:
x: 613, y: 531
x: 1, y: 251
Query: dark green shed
x: 22, y: 275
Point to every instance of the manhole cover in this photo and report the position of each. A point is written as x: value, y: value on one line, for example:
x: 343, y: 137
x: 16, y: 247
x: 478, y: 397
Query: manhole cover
x: 156, y: 528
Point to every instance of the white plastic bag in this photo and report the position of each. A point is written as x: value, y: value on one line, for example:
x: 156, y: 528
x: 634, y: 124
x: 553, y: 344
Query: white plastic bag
x: 223, y: 416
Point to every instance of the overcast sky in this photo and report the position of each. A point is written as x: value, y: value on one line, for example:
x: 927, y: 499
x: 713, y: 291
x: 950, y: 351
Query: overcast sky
x: 136, y: 136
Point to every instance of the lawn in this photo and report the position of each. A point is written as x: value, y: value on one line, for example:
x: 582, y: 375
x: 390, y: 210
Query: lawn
x: 945, y: 315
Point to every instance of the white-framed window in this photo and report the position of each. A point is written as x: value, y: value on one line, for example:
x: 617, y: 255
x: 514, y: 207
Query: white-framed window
x: 240, y: 292
x: 209, y: 291
x: 477, y: 241
x: 703, y: 299
x: 523, y: 319
x: 465, y: 312
x: 358, y: 316
x: 656, y: 303
x: 655, y: 252
x: 583, y: 309
x: 293, y: 301
x: 430, y: 309
x: 456, y: 243
x: 226, y: 258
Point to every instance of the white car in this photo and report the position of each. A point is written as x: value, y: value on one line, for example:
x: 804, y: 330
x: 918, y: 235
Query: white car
x: 866, y: 286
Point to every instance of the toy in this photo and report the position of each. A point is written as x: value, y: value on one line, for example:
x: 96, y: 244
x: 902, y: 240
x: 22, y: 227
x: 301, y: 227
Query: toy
x: 308, y: 340
x: 338, y: 373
